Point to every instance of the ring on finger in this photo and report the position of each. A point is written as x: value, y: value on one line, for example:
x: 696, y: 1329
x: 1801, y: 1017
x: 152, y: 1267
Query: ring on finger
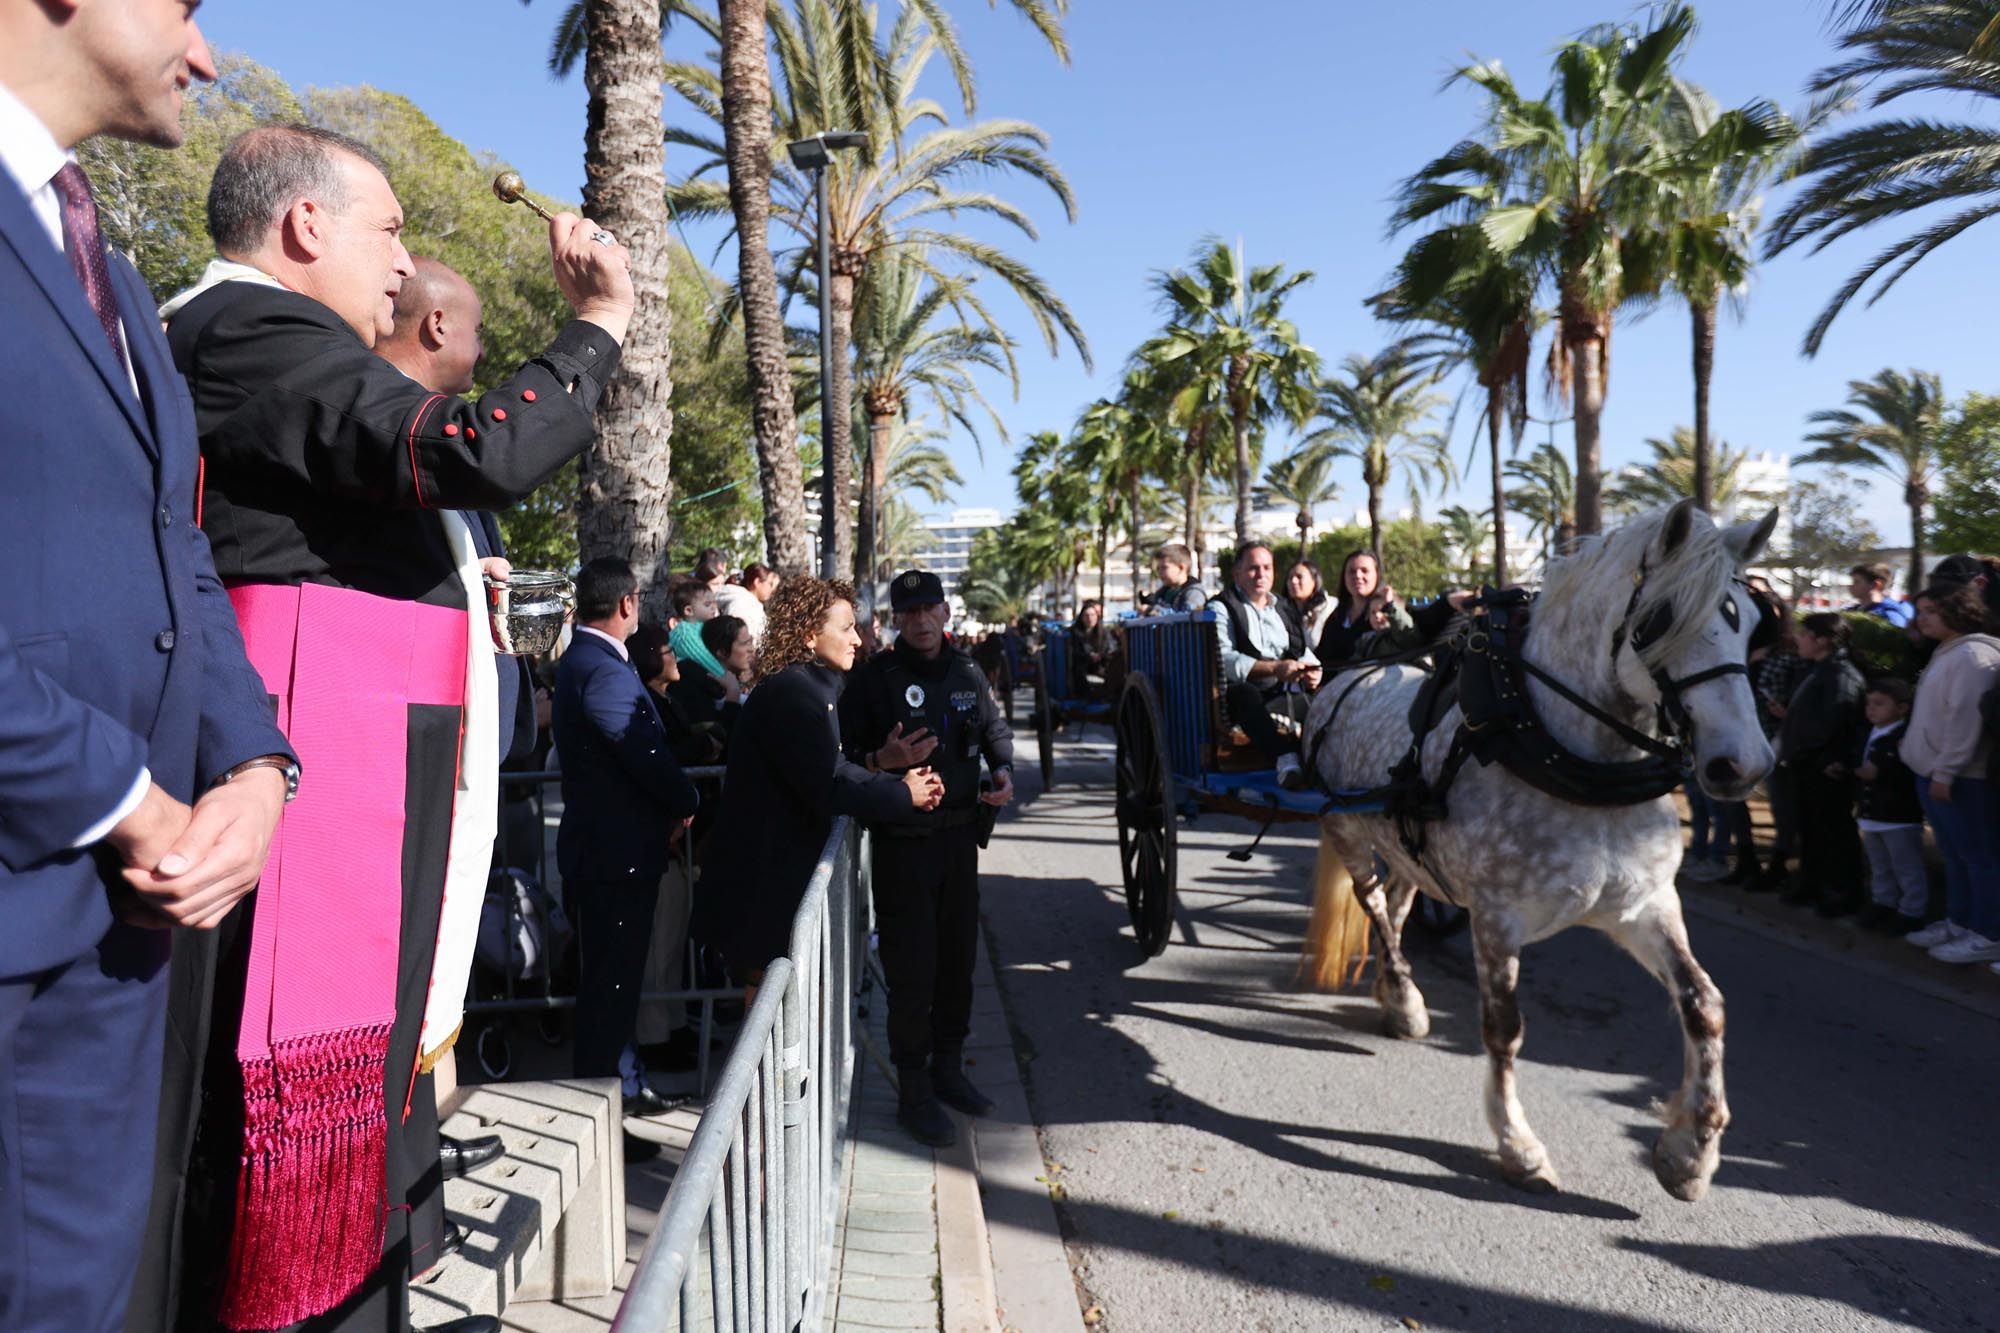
x: 602, y: 237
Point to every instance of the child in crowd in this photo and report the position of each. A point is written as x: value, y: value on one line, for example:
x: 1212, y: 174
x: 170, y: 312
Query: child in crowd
x: 1889, y: 814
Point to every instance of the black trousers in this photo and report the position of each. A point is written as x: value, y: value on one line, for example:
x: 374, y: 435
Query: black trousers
x: 614, y: 929
x: 1829, y: 842
x: 927, y: 915
x: 1252, y: 709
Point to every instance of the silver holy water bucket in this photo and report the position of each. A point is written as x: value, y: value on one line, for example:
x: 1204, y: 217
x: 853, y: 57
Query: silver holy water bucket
x: 528, y: 609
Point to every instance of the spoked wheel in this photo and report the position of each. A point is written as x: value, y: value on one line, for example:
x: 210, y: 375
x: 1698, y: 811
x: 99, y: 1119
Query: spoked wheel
x: 1145, y: 815
x: 1045, y: 729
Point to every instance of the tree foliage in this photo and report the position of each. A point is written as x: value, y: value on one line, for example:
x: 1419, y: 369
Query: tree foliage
x: 1965, y: 506
x: 1416, y: 556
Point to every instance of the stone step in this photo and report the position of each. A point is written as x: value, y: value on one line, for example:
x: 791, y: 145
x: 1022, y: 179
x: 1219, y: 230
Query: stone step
x: 546, y: 1221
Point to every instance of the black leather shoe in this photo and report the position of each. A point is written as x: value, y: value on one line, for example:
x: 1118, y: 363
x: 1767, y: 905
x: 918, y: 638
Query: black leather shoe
x: 453, y: 1242
x: 640, y: 1150
x: 478, y: 1323
x: 955, y: 1090
x: 927, y: 1123
x: 458, y: 1156
x: 645, y: 1102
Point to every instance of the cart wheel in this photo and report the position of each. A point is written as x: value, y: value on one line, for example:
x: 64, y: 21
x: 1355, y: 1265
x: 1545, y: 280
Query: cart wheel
x: 496, y: 1060
x: 1045, y: 731
x: 1146, y: 830
x: 1437, y: 919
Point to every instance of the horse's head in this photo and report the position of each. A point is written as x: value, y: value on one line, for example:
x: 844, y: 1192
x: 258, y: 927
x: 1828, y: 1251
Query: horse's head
x: 1684, y: 643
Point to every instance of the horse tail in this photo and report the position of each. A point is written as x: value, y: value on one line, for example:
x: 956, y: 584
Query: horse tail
x: 1337, y: 946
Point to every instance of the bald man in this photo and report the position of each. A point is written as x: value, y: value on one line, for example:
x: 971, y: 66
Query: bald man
x: 435, y: 340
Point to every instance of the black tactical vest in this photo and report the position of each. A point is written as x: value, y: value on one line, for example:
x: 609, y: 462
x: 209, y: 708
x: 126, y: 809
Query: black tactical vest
x: 948, y: 704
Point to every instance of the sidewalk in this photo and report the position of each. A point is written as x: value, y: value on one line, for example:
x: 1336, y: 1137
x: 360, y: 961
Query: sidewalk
x: 918, y: 1248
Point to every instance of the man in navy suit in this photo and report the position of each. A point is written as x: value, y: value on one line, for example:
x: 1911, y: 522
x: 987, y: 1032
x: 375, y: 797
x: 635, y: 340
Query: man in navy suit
x: 141, y: 772
x: 624, y: 798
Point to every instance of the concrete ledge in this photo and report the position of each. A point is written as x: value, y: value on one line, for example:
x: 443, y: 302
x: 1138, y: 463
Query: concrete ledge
x: 546, y: 1220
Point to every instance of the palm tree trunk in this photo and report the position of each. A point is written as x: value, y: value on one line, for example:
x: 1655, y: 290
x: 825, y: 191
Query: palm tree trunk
x: 1197, y: 463
x: 1239, y: 411
x: 1103, y: 559
x: 1915, y: 495
x: 1132, y: 499
x: 837, y: 417
x: 1587, y: 355
x: 873, y: 477
x: 1375, y: 526
x: 1703, y: 315
x: 1496, y: 404
x: 625, y: 492
x: 746, y: 132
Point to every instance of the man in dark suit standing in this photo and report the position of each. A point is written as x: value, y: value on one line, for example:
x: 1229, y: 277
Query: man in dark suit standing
x: 124, y: 691
x: 624, y: 800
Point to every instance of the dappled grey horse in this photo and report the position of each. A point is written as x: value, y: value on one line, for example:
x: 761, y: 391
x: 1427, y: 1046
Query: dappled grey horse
x: 1637, y: 633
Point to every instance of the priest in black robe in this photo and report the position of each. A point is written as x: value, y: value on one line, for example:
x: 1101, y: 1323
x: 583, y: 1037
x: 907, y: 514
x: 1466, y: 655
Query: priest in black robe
x: 329, y: 485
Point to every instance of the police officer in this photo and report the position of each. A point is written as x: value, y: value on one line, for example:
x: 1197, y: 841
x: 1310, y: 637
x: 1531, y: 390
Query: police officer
x: 925, y: 700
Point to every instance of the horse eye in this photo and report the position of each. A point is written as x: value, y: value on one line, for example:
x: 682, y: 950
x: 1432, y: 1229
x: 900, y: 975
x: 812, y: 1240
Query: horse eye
x: 1729, y: 612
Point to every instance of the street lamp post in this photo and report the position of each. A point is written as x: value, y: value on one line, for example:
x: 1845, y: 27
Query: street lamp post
x: 814, y: 155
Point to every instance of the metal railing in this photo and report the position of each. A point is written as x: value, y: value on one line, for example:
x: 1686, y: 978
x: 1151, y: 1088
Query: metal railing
x: 744, y: 1240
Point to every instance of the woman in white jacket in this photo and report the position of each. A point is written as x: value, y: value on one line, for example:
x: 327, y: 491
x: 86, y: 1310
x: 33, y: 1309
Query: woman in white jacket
x: 1947, y: 747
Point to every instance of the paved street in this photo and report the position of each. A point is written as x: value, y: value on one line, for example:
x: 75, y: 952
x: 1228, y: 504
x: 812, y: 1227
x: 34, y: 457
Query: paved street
x: 1235, y: 1154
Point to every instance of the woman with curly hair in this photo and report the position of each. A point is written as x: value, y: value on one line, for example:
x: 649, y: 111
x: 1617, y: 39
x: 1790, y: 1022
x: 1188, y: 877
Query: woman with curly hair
x: 787, y: 780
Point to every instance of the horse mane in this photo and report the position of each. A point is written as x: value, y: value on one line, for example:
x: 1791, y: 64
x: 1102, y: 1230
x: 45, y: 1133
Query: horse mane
x: 1597, y: 577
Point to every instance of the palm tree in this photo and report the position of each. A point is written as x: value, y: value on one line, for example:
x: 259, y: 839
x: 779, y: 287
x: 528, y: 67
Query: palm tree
x: 1373, y: 408
x: 1893, y: 168
x: 905, y: 536
x: 1710, y: 218
x: 915, y: 339
x: 1900, y: 441
x: 1479, y: 309
x: 1304, y: 480
x: 1671, y: 474
x: 1572, y: 183
x: 1547, y: 495
x: 916, y: 169
x: 1466, y: 533
x: 624, y: 493
x: 1060, y: 506
x: 1228, y: 318
x: 1185, y: 399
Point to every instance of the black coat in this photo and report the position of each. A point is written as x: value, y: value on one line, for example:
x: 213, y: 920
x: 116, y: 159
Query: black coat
x: 786, y: 781
x: 1891, y: 795
x: 1825, y: 710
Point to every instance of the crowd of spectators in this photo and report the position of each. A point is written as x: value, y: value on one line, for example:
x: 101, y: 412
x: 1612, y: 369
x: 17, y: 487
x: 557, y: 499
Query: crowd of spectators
x: 1872, y: 754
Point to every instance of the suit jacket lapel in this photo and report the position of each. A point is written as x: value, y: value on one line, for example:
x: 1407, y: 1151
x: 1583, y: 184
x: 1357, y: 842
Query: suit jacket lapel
x: 148, y: 350
x: 23, y: 233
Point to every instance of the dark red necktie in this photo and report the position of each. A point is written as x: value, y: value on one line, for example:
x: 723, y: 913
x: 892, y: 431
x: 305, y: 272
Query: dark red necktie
x: 85, y: 247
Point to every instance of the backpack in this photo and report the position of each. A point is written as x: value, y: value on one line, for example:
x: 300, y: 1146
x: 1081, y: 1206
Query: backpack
x: 523, y: 930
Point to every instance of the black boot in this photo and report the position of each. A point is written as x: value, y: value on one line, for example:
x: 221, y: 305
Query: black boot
x: 953, y: 1088
x: 1743, y: 874
x: 1771, y: 879
x: 919, y: 1112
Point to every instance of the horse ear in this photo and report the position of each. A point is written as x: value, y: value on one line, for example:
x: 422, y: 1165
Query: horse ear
x: 1679, y: 523
x: 1747, y: 540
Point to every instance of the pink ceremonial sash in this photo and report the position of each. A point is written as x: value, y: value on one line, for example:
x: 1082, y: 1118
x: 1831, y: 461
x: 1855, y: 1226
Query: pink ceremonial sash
x: 320, y: 995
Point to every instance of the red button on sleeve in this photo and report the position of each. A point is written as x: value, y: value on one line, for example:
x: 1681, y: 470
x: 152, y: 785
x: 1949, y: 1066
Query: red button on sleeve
x: 451, y: 428
x: 499, y: 414
x: 527, y: 395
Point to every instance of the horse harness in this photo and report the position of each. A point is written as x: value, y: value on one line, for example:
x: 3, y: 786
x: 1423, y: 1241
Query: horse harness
x: 1483, y: 671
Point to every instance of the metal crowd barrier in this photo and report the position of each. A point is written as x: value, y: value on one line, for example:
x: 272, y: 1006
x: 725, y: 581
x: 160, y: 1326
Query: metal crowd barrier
x: 744, y: 1240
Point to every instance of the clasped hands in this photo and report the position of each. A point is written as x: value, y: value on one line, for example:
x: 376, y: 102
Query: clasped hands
x: 188, y: 865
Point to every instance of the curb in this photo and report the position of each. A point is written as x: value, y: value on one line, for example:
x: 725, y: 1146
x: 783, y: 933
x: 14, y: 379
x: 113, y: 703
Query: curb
x: 1032, y: 1289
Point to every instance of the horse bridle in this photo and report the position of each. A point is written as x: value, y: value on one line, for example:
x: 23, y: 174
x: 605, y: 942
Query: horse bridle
x: 1673, y: 710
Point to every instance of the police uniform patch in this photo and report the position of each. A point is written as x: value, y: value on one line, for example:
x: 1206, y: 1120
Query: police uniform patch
x: 914, y: 696
x: 963, y: 700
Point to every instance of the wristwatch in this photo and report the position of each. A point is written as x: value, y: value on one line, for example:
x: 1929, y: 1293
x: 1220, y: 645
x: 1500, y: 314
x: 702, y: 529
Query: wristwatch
x: 280, y: 762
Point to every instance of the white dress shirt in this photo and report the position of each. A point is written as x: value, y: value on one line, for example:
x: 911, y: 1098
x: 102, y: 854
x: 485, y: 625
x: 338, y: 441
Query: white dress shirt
x: 610, y: 639
x: 32, y: 157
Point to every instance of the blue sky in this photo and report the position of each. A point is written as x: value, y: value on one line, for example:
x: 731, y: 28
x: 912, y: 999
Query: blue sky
x: 1286, y: 123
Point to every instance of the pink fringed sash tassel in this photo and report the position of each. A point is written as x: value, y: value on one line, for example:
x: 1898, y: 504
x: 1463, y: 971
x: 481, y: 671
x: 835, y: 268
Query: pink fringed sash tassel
x: 320, y: 994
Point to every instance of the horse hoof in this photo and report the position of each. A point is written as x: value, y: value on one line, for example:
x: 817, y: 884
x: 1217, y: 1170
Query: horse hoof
x: 1684, y: 1169
x: 1538, y: 1179
x: 1412, y: 1024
